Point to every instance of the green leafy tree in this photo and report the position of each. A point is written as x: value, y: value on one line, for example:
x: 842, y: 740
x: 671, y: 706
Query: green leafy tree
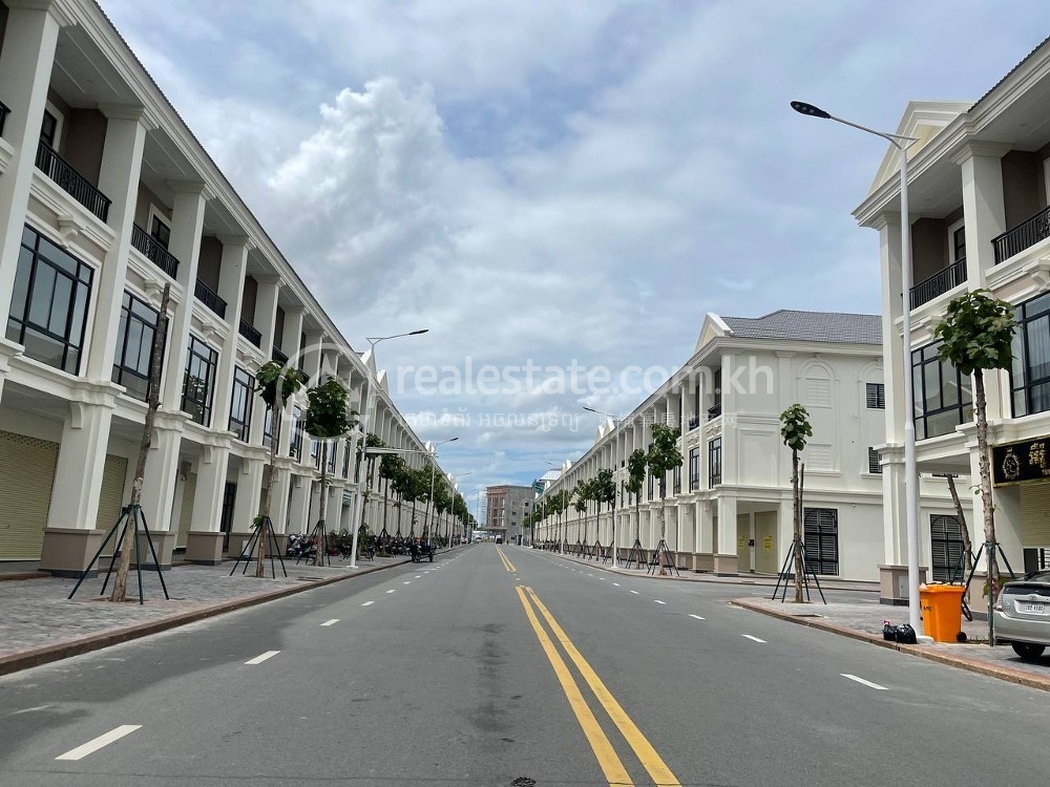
x: 636, y: 467
x: 328, y: 417
x: 580, y: 495
x: 794, y: 430
x: 604, y: 492
x: 388, y: 468
x: 662, y: 458
x: 275, y: 385
x: 977, y: 334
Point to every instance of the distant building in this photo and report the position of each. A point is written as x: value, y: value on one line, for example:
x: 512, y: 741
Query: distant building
x: 506, y: 510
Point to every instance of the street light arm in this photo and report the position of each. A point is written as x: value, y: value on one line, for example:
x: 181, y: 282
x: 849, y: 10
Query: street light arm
x: 897, y: 140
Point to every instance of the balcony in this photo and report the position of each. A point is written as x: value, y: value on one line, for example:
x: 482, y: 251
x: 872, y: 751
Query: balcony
x: 71, y: 181
x: 248, y: 332
x: 210, y: 299
x: 279, y: 356
x: 714, y: 412
x: 4, y: 112
x: 153, y: 251
x: 939, y: 283
x: 694, y: 422
x: 1025, y: 235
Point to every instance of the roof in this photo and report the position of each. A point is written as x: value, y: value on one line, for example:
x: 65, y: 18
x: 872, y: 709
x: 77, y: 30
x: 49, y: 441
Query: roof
x: 1010, y: 73
x: 831, y: 327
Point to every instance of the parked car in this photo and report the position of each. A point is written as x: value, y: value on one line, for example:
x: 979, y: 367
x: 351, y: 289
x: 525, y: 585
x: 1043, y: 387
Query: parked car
x: 1022, y: 614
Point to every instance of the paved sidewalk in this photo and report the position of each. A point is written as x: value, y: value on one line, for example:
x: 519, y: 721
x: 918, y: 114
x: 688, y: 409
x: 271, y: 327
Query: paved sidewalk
x: 863, y: 620
x: 40, y: 625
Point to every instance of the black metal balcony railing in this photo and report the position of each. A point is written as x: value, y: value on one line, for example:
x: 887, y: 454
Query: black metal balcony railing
x: 939, y: 283
x: 153, y: 251
x: 4, y: 112
x: 248, y: 332
x: 279, y: 356
x: 1026, y: 234
x: 71, y: 181
x: 694, y: 422
x: 209, y: 298
x: 714, y: 412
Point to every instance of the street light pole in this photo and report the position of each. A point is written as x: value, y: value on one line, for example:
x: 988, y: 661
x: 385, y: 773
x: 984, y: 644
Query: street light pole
x: 429, y: 527
x: 455, y: 486
x: 369, y: 415
x: 911, y: 475
x: 616, y: 511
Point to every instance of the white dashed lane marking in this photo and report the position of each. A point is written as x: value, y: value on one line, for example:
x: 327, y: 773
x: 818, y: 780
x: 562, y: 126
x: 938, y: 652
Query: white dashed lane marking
x: 331, y: 622
x: 263, y: 657
x: 80, y: 752
x: 863, y: 682
x: 753, y: 639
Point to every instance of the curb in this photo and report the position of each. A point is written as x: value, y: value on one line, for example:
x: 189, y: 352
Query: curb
x: 972, y: 665
x: 63, y: 650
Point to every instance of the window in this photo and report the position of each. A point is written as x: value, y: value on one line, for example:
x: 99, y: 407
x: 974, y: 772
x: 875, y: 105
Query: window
x: 134, y: 353
x: 822, y: 540
x: 942, y: 395
x: 694, y: 468
x: 946, y: 546
x: 295, y: 449
x: 677, y: 479
x: 875, y: 394
x: 346, y: 459
x: 1030, y: 373
x: 49, y: 129
x: 332, y: 448
x: 315, y: 453
x: 714, y: 462
x: 197, y: 385
x: 652, y: 480
x: 49, y: 304
x: 957, y: 236
x: 874, y: 466
x: 159, y: 230
x: 268, y: 428
x: 241, y: 403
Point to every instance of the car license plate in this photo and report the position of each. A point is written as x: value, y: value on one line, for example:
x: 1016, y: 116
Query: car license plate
x: 1028, y: 608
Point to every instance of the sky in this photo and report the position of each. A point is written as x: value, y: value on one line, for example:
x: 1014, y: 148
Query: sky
x: 568, y: 184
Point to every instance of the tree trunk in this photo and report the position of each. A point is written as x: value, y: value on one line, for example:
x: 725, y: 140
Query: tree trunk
x: 963, y: 528
x: 991, y: 546
x: 120, y: 584
x: 322, y: 508
x: 263, y: 528
x: 796, y: 517
x: 662, y: 546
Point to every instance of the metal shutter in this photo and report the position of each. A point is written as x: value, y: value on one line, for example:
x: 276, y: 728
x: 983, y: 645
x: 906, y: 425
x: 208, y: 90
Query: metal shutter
x: 27, y: 472
x: 111, y: 498
x: 822, y: 540
x: 946, y: 546
x: 1035, y: 515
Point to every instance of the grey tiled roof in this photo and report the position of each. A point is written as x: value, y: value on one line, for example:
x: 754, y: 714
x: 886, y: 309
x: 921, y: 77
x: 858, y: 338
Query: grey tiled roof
x: 833, y: 327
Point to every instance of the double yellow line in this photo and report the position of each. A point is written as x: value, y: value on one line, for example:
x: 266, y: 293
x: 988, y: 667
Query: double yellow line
x: 506, y: 563
x: 608, y: 760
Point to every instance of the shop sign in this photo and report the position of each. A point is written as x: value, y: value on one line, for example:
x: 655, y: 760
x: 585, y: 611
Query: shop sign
x: 1016, y: 463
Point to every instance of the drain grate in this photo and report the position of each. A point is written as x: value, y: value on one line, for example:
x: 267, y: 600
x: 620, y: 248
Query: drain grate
x: 523, y: 781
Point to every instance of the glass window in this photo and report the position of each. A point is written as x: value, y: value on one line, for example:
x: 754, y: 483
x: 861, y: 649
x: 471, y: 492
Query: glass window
x: 714, y: 462
x: 1030, y: 371
x: 959, y: 245
x: 49, y: 304
x: 199, y: 382
x: 875, y: 394
x: 241, y: 404
x: 943, y: 399
x: 160, y: 231
x: 677, y: 479
x: 694, y: 468
x: 295, y: 449
x: 134, y: 352
x: 346, y: 459
x: 874, y: 466
x: 48, y: 129
x: 268, y: 428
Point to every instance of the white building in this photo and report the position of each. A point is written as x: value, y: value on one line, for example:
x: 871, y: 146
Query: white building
x: 729, y: 507
x: 978, y: 184
x: 105, y: 198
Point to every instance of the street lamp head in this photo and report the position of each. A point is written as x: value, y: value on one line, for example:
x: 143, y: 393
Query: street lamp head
x: 808, y: 109
x: 417, y: 333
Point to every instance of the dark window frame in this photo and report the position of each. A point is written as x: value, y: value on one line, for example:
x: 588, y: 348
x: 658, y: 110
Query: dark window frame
x: 1030, y: 394
x: 875, y: 396
x: 200, y: 356
x: 821, y: 540
x: 243, y: 386
x: 267, y: 437
x: 926, y: 381
x: 714, y: 461
x: 133, y: 312
x: 346, y: 458
x: 676, y: 479
x: 694, y: 468
x: 295, y: 444
x: 874, y: 463
x: 41, y: 263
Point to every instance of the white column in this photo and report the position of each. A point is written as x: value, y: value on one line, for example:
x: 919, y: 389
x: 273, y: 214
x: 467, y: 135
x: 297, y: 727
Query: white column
x: 118, y: 180
x: 81, y: 461
x: 248, y: 502
x: 26, y: 60
x: 211, y: 484
x: 984, y: 208
x: 299, y: 507
x: 282, y: 478
x: 158, y: 488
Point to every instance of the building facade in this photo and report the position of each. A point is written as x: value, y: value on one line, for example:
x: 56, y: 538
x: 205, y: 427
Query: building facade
x: 505, y: 510
x: 979, y: 179
x: 728, y: 508
x: 106, y: 201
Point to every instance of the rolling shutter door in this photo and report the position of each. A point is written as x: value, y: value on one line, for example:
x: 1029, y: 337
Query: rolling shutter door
x: 1035, y: 515
x: 111, y: 498
x: 27, y: 471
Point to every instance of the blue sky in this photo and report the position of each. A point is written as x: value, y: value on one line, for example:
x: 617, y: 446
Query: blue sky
x: 561, y: 181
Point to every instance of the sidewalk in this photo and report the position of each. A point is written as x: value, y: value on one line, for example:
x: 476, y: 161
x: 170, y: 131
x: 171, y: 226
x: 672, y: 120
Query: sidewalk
x: 863, y: 620
x: 40, y: 625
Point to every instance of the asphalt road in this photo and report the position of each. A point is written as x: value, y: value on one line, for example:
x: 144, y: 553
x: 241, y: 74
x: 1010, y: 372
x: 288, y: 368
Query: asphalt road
x: 503, y: 666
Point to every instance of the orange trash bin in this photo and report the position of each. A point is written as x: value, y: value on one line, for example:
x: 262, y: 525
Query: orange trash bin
x: 941, y: 607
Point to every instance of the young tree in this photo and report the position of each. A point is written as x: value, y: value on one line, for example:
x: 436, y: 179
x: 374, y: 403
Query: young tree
x: 977, y: 334
x: 275, y: 385
x: 328, y: 417
x: 581, y: 494
x: 605, y: 492
x: 663, y: 457
x: 636, y: 467
x: 794, y: 430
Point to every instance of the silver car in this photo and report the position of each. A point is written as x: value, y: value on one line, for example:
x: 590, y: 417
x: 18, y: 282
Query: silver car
x: 1022, y: 614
